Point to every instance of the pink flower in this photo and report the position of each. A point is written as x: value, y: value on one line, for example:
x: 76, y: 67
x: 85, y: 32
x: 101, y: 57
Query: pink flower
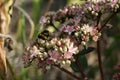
x: 71, y: 50
x: 55, y: 55
x: 93, y: 31
x: 65, y: 10
x: 77, y: 19
x: 68, y: 55
x: 114, y: 1
x: 76, y: 27
x: 86, y: 37
x: 43, y: 20
x: 96, y: 7
x: 95, y: 38
x: 69, y: 29
x: 63, y: 27
x: 26, y: 58
x: 49, y: 61
x: 86, y: 28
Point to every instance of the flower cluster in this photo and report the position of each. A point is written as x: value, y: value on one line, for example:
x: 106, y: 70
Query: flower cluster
x: 56, y: 51
x: 79, y: 24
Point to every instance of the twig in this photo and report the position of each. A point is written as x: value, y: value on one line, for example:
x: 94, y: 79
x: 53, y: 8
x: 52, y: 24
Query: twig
x: 48, y: 6
x: 29, y: 19
x: 68, y: 72
x: 80, y: 68
x: 54, y: 26
x: 99, y: 60
x: 98, y: 21
x: 81, y: 71
x: 107, y: 21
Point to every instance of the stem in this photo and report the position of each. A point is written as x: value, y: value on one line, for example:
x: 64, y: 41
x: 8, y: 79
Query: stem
x: 99, y: 60
x: 48, y: 6
x: 68, y: 72
x: 81, y: 71
x: 54, y: 27
x: 99, y: 17
x: 80, y: 68
x: 107, y: 21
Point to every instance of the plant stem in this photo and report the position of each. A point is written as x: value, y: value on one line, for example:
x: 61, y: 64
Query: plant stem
x: 99, y: 59
x: 68, y: 72
x: 48, y: 6
x: 107, y: 21
x: 81, y: 71
x: 80, y: 68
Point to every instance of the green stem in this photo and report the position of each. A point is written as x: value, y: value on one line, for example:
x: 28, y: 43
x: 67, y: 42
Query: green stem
x: 68, y: 72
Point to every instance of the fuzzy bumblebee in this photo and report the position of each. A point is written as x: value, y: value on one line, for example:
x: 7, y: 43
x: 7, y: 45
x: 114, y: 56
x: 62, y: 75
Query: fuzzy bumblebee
x: 44, y: 35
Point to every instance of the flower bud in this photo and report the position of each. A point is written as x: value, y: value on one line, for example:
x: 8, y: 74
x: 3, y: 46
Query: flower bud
x: 65, y: 49
x: 68, y: 62
x: 89, y: 8
x: 83, y: 43
x: 63, y: 62
x: 76, y: 34
x: 45, y: 54
x: 48, y: 67
x: 61, y: 49
x: 58, y: 43
x: 96, y: 14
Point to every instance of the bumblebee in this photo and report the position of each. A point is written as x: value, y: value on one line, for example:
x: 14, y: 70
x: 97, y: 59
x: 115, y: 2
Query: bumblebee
x: 44, y: 35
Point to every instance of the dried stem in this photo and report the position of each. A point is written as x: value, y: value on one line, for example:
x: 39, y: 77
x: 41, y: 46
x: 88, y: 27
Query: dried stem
x: 68, y: 72
x: 99, y: 59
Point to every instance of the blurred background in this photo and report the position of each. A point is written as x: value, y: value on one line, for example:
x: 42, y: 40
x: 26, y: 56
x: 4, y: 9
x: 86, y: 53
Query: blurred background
x: 21, y: 29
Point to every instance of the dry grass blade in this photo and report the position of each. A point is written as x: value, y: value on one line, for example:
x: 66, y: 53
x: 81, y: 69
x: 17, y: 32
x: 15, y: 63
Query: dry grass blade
x: 29, y: 19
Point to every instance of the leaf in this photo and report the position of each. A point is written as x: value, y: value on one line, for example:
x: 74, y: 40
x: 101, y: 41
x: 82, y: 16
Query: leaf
x: 83, y: 64
x: 74, y: 67
x: 92, y: 71
x: 83, y: 61
x: 86, y: 51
